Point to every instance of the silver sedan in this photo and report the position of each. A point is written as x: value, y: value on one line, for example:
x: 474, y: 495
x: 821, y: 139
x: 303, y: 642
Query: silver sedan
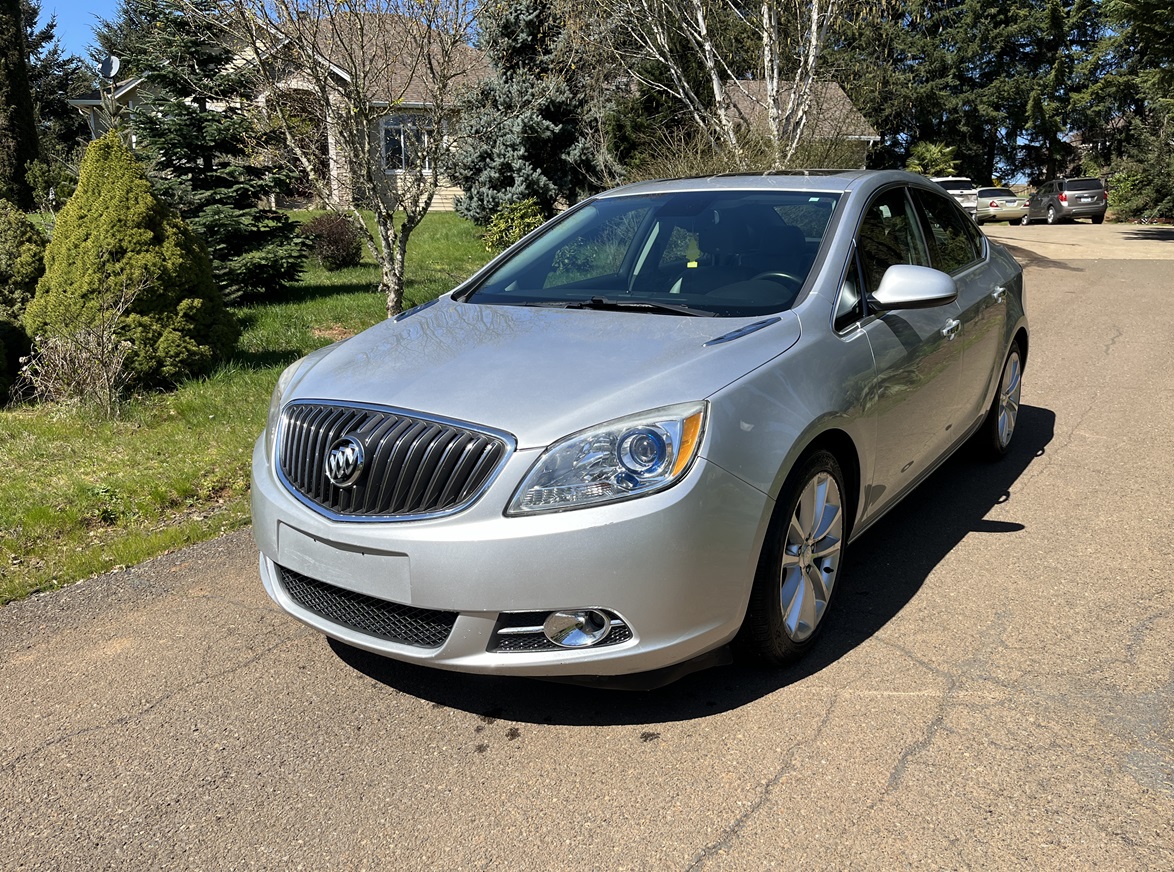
x: 647, y: 431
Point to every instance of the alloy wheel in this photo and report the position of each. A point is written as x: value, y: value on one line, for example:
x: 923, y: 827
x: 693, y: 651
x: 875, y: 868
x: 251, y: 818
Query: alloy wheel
x: 1009, y: 390
x: 811, y: 556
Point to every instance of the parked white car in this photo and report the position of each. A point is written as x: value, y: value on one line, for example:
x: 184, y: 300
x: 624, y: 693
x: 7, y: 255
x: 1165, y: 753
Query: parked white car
x: 961, y: 189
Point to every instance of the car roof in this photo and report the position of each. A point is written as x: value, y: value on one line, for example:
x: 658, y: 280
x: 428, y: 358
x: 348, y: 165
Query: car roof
x: 821, y: 181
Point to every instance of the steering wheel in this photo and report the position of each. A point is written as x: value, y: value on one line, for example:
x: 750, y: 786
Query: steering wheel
x: 779, y: 274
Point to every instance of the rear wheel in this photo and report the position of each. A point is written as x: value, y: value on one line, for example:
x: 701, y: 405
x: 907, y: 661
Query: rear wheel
x: 1024, y: 221
x: 994, y: 437
x: 1053, y: 218
x: 800, y: 563
x: 1098, y: 219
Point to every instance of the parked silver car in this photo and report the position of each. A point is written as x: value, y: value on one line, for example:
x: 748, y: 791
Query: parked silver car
x: 648, y: 430
x: 1000, y: 204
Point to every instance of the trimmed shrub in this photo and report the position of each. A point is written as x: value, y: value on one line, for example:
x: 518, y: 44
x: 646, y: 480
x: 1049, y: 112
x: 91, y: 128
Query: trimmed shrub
x: 511, y: 223
x: 22, y: 263
x: 335, y: 241
x: 116, y: 248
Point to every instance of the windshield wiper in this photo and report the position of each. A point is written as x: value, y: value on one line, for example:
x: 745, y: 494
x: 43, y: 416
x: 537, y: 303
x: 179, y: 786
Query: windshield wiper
x: 606, y: 304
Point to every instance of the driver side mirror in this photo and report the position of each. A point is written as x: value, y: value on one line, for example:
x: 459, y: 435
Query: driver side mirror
x: 904, y: 286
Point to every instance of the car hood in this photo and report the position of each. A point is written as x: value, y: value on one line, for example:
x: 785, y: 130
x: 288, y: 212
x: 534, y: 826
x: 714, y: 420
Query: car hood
x: 537, y: 373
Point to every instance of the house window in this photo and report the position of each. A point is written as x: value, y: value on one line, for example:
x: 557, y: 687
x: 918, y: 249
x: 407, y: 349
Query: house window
x: 406, y: 138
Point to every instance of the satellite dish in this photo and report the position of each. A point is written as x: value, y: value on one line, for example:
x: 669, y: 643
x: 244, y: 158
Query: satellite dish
x: 108, y: 69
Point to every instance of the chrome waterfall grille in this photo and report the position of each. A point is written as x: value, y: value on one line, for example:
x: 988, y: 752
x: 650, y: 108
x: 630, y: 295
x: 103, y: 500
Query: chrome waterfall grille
x: 369, y: 463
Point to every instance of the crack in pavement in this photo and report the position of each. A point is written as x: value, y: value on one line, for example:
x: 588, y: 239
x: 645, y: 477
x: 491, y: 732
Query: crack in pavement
x: 134, y: 716
x: 732, y: 832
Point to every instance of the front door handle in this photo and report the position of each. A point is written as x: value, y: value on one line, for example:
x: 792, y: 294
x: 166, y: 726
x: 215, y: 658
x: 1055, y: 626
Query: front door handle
x: 951, y: 329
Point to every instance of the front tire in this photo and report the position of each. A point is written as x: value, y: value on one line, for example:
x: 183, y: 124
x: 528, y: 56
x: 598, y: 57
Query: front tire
x: 800, y: 563
x: 994, y: 437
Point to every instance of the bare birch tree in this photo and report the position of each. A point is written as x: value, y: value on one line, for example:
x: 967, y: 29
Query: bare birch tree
x: 387, y: 74
x: 645, y: 37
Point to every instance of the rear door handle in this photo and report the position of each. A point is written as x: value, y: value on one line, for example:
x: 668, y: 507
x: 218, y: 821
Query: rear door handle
x: 998, y: 294
x: 951, y: 329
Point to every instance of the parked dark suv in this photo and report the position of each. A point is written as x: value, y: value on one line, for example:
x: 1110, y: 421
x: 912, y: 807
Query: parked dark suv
x: 1066, y: 199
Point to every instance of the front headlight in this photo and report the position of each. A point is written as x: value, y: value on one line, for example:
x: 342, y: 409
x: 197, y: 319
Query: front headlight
x: 619, y: 460
x: 271, y: 422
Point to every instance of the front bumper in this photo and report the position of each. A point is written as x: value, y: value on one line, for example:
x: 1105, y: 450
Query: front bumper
x: 676, y: 567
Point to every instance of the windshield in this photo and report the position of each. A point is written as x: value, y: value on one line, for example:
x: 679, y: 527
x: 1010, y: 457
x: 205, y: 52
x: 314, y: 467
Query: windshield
x: 727, y: 253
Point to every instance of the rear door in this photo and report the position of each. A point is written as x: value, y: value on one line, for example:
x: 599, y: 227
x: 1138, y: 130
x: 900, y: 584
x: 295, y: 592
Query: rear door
x: 958, y: 248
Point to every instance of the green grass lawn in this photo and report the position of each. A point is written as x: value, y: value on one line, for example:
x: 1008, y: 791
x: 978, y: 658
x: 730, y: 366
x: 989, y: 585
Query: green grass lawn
x: 82, y: 495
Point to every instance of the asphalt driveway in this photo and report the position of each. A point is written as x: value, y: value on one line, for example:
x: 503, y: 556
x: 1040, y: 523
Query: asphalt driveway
x: 994, y: 688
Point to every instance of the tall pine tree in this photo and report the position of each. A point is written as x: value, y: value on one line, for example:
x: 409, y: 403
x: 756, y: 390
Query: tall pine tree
x: 18, y: 130
x: 54, y: 77
x: 205, y: 147
x: 521, y: 136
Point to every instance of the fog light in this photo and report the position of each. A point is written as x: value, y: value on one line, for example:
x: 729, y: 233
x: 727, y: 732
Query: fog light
x: 578, y: 629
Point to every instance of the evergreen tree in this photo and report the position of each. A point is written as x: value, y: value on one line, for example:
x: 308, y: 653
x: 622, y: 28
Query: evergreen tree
x: 54, y: 77
x: 1135, y: 103
x: 204, y: 149
x: 521, y: 136
x: 993, y: 81
x: 118, y: 252
x: 22, y: 263
x: 18, y: 130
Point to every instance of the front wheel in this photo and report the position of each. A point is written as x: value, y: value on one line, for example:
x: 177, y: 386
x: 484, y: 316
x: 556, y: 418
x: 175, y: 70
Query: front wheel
x: 994, y: 437
x: 800, y: 562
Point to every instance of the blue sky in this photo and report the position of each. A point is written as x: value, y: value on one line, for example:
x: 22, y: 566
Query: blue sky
x: 76, y: 20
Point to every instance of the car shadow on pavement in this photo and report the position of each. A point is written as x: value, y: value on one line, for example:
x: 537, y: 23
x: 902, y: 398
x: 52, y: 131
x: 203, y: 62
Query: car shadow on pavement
x: 1028, y: 258
x: 886, y: 568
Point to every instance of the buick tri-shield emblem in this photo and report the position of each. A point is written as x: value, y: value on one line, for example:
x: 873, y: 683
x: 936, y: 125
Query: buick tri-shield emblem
x: 344, y: 462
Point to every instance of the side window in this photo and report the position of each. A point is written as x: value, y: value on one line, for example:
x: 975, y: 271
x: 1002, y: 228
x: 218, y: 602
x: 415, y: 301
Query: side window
x: 849, y: 305
x: 954, y: 241
x: 889, y: 234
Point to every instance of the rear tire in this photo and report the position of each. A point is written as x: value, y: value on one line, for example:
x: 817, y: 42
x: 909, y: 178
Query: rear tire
x: 800, y: 563
x: 1098, y: 219
x: 1024, y: 221
x: 994, y: 436
x: 1053, y: 218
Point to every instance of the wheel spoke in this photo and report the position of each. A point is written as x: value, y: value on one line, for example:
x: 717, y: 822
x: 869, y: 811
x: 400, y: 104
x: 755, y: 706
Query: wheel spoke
x: 805, y: 512
x: 799, y: 613
x: 829, y: 546
x: 792, y: 598
x: 821, y: 584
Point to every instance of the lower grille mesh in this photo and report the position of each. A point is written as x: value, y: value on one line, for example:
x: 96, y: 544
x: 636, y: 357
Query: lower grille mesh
x: 420, y: 628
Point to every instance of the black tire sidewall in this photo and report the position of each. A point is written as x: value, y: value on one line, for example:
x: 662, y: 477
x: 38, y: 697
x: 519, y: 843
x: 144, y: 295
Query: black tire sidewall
x: 763, y: 635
